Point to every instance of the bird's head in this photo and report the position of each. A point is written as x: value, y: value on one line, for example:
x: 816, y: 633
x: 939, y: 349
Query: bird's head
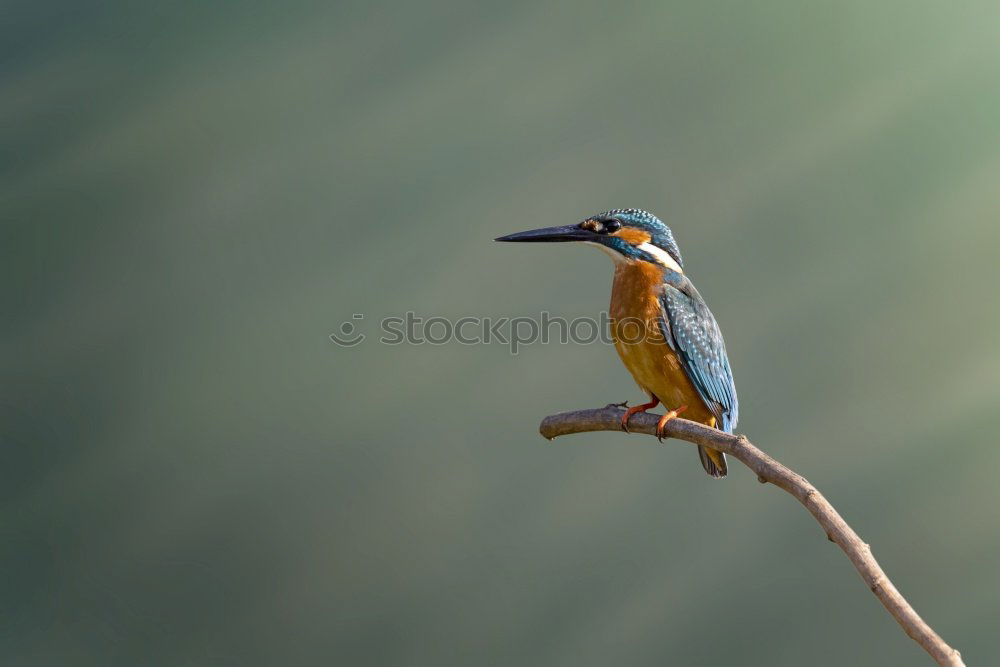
x: 626, y: 234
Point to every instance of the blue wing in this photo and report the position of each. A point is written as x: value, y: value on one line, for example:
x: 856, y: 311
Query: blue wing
x: 692, y: 332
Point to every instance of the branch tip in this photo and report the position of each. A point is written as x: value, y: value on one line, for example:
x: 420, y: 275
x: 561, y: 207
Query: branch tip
x: 769, y: 470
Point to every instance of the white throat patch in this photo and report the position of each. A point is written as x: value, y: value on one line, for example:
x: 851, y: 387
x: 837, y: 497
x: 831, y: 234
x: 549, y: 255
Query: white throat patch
x: 615, y: 256
x: 661, y: 256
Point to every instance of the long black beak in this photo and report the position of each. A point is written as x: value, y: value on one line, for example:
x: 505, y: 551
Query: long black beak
x: 551, y: 235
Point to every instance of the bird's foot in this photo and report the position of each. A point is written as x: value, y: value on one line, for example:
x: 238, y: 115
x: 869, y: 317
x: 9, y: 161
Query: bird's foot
x: 660, y: 435
x: 637, y: 408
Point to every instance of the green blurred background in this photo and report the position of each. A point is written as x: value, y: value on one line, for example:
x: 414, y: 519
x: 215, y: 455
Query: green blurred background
x: 195, y: 195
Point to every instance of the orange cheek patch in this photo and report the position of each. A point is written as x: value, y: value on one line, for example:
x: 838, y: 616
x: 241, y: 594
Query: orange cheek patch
x: 633, y: 236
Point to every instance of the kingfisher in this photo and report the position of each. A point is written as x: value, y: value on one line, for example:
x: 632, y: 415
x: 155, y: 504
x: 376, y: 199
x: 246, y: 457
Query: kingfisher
x: 663, y: 331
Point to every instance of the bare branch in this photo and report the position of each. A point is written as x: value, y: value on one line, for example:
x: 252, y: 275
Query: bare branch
x: 769, y: 470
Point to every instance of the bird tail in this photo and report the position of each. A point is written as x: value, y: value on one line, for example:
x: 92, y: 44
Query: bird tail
x: 713, y: 461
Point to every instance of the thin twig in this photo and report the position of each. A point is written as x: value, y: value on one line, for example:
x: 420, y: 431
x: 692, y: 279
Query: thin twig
x: 769, y: 470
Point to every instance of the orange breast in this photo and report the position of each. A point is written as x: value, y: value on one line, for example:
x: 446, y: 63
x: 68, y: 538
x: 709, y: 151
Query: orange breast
x: 635, y: 313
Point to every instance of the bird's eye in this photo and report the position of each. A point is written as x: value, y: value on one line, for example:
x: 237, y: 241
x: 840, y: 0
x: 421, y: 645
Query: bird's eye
x: 611, y: 226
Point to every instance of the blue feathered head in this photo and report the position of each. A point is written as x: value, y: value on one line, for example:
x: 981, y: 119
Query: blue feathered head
x: 626, y: 234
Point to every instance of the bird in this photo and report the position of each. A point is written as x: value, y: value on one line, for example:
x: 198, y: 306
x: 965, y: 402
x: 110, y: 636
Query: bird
x: 661, y: 326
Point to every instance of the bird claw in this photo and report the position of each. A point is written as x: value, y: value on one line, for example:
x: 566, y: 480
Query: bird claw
x: 660, y: 435
x: 633, y: 410
x: 623, y: 404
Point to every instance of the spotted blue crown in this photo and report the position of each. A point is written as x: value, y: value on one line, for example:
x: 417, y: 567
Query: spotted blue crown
x: 660, y: 233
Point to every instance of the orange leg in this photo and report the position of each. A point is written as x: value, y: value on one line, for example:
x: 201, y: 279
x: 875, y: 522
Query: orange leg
x: 665, y: 418
x: 638, y: 408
